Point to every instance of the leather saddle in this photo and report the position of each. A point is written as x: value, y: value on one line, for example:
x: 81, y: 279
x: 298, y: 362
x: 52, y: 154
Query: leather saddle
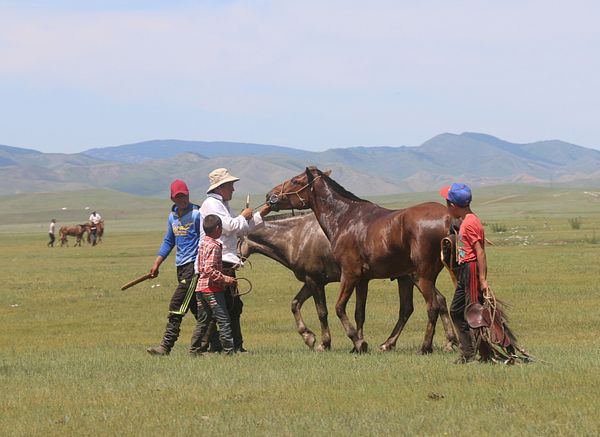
x: 479, y: 316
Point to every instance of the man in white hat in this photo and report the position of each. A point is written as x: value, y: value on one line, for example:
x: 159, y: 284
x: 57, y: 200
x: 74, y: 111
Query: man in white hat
x: 219, y: 194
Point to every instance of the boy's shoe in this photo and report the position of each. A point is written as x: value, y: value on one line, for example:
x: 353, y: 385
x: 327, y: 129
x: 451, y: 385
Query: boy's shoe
x: 241, y: 350
x: 157, y: 351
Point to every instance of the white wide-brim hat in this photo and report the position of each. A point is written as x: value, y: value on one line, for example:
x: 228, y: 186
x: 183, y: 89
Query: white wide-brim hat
x: 219, y: 177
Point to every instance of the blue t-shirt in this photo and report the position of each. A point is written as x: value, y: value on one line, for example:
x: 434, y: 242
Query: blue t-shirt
x: 185, y: 233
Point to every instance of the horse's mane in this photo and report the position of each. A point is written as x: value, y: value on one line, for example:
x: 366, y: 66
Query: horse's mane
x: 341, y: 190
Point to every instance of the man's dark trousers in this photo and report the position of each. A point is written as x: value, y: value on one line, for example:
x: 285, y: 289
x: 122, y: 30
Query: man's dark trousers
x: 186, y: 279
x: 235, y: 307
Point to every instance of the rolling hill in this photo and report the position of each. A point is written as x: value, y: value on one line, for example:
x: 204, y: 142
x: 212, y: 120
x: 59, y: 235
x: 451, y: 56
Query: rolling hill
x: 146, y: 168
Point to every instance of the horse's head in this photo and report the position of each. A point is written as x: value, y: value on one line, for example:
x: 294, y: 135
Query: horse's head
x: 295, y: 192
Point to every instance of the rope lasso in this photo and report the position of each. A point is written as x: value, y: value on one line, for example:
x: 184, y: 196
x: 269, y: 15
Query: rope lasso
x: 237, y: 291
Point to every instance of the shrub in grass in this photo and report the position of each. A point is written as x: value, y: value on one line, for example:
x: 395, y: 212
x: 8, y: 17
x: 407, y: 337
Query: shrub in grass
x: 575, y: 222
x: 497, y: 227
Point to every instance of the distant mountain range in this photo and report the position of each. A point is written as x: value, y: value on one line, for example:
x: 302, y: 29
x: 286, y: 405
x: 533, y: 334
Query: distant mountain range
x: 147, y: 168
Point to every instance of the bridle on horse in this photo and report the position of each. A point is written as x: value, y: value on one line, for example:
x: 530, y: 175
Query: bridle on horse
x: 275, y: 198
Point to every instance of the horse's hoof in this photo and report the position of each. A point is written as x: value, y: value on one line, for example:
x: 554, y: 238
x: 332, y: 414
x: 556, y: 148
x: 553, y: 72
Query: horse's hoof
x: 425, y: 351
x: 386, y: 347
x: 449, y: 347
x: 309, y: 339
x: 362, y: 347
x: 323, y: 347
x: 353, y: 350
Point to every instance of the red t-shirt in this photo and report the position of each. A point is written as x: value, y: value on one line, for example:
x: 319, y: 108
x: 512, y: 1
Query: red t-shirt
x: 471, y: 231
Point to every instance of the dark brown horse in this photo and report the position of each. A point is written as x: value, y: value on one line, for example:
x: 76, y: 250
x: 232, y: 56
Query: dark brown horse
x: 299, y: 244
x: 370, y: 242
x: 76, y: 231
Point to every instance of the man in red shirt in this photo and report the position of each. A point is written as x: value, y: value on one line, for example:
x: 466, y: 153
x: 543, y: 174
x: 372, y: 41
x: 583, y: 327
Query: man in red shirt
x: 210, y: 290
x: 472, y: 271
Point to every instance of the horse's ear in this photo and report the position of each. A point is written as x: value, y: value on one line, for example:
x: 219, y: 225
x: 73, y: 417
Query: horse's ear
x: 309, y: 175
x: 327, y: 172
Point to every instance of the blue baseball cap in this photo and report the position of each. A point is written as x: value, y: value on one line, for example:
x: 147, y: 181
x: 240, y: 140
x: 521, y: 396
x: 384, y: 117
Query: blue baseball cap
x: 459, y: 194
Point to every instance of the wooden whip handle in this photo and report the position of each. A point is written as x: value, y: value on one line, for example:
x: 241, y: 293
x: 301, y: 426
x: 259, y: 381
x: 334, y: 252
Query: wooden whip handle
x: 136, y: 281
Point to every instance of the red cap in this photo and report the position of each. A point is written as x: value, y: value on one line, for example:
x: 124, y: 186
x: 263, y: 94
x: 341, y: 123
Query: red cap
x: 444, y: 192
x: 179, y: 187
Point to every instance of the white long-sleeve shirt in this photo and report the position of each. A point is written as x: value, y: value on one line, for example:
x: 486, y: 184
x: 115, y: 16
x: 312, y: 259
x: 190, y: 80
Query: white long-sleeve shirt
x: 95, y: 219
x: 233, y: 227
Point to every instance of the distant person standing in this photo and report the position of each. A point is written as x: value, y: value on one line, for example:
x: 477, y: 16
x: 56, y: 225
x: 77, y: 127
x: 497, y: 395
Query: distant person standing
x: 52, y: 233
x: 94, y: 219
x: 219, y: 194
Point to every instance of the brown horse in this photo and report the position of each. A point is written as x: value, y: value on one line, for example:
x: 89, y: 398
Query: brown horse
x: 299, y: 244
x: 76, y: 231
x: 370, y: 242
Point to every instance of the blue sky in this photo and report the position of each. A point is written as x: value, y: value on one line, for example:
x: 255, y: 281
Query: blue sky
x: 310, y: 74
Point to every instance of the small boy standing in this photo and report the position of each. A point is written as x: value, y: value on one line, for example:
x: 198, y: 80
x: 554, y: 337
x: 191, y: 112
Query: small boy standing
x: 472, y: 271
x: 211, y: 286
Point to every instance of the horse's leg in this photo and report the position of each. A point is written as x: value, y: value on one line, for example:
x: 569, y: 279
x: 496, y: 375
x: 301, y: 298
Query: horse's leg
x: 427, y: 287
x: 321, y: 305
x: 446, y: 321
x: 346, y: 289
x: 305, y: 292
x: 360, y: 310
x: 405, y: 293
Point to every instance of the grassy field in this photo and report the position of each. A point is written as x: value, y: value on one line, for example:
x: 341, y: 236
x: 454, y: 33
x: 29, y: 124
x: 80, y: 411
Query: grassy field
x: 73, y: 360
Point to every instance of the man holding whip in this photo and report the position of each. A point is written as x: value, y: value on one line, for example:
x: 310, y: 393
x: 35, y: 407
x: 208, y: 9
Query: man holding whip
x: 219, y: 194
x: 183, y: 232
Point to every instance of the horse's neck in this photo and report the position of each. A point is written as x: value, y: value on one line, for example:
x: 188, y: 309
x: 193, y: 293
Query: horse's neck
x: 333, y: 210
x: 271, y: 241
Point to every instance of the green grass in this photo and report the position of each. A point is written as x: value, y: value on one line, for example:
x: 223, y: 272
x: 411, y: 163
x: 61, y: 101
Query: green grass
x: 73, y: 360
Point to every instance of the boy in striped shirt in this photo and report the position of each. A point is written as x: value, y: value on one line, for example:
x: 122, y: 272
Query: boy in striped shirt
x: 211, y: 287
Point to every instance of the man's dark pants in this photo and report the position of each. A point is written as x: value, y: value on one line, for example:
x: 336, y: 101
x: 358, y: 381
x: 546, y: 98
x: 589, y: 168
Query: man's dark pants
x: 186, y: 279
x: 52, y: 238
x: 235, y: 307
x: 212, y: 308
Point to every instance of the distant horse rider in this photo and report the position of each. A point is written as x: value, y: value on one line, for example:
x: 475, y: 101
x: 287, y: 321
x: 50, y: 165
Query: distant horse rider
x: 94, y: 219
x: 220, y: 193
x: 52, y: 233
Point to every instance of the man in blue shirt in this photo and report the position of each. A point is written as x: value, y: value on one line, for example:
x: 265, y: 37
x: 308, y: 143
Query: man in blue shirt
x: 183, y: 232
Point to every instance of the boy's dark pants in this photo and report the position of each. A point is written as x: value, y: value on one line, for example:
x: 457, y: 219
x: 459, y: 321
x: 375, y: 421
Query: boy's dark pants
x: 212, y: 307
x: 51, y: 242
x: 234, y: 307
x: 467, y: 291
